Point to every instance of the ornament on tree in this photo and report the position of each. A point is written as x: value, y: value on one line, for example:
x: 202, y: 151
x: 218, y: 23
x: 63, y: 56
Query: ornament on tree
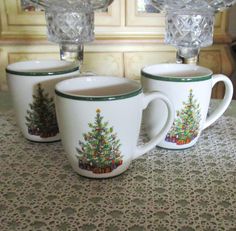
x: 41, y: 117
x: 100, y: 151
x: 187, y: 124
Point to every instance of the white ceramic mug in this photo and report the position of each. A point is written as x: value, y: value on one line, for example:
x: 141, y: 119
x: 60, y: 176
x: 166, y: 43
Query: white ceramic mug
x: 31, y: 84
x: 100, y: 119
x: 189, y: 87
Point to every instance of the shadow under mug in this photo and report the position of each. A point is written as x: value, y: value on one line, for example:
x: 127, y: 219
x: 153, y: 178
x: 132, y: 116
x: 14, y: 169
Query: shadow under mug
x: 99, y: 120
x: 31, y: 84
x: 189, y: 88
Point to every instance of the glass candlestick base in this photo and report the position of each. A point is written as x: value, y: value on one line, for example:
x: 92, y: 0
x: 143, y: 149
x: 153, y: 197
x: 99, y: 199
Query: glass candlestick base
x: 190, y: 24
x: 189, y: 29
x: 72, y: 53
x: 70, y: 23
x: 187, y: 55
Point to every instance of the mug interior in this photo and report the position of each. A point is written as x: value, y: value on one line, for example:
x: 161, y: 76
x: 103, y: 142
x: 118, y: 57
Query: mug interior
x: 177, y: 72
x: 41, y: 67
x: 98, y: 88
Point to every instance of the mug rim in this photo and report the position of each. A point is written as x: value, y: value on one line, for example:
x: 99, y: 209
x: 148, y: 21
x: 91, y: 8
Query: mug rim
x: 68, y: 67
x: 191, y: 67
x: 129, y: 94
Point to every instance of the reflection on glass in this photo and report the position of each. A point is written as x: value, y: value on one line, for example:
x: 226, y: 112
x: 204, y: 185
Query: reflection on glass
x: 102, y: 10
x: 145, y: 6
x: 27, y: 6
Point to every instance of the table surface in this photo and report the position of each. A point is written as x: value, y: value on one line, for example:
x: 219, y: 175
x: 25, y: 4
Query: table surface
x: 186, y: 190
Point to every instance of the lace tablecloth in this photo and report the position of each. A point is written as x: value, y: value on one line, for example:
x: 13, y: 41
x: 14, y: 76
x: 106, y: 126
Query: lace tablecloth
x: 192, y: 189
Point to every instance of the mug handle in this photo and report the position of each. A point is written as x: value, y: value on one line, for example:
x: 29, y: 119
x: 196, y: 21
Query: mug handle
x: 224, y: 103
x: 147, y: 99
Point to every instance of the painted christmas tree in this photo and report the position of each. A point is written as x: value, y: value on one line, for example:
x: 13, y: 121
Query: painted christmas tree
x: 41, y: 118
x: 186, y: 125
x: 100, y: 153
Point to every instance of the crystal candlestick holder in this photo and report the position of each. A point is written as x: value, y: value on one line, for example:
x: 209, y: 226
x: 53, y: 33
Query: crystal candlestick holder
x: 190, y: 24
x: 71, y: 26
x: 70, y: 23
x: 188, y: 31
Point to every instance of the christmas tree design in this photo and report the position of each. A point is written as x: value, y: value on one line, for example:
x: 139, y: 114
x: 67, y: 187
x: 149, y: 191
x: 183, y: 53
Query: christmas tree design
x: 41, y: 117
x: 186, y: 126
x: 100, y: 151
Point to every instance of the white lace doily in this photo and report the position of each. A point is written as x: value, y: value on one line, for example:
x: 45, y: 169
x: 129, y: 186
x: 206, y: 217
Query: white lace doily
x: 192, y: 189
